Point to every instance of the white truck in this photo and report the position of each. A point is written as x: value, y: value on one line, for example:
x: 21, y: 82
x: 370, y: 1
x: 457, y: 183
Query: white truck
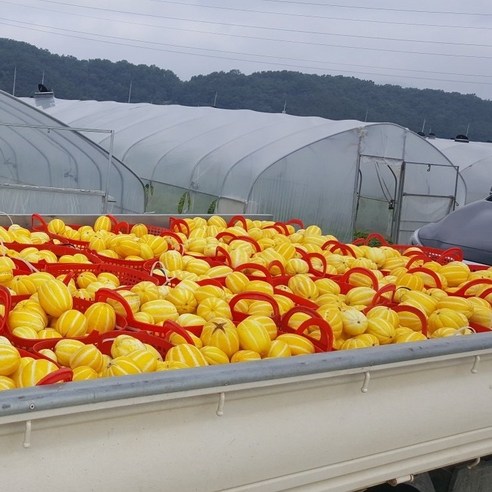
x: 415, y: 416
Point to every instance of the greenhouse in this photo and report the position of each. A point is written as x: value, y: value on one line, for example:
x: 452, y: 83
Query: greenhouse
x: 474, y: 160
x: 346, y: 176
x: 46, y: 167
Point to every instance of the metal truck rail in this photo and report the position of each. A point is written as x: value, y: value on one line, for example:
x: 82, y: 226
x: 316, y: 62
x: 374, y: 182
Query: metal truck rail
x: 334, y: 421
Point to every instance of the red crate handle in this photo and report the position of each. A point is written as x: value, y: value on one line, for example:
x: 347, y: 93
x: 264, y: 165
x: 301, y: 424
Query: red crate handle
x: 247, y: 239
x: 298, y: 300
x: 416, y: 257
x: 221, y: 254
x: 238, y: 218
x: 307, y: 257
x: 256, y: 266
x: 485, y: 293
x: 102, y: 295
x: 225, y: 236
x: 326, y: 340
x: 277, y: 264
x: 6, y: 301
x: 36, y: 218
x: 416, y: 311
x: 279, y: 227
x: 63, y: 375
x: 364, y: 271
x: 455, y: 253
x: 477, y: 281
x: 295, y: 221
x: 380, y: 300
x: 254, y: 296
x: 429, y: 272
x: 179, y: 225
x: 173, y: 327
x: 332, y: 245
x: 173, y: 235
x: 122, y: 227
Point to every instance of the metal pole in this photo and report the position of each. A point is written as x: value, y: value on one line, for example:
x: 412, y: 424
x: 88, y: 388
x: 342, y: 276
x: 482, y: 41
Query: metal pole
x: 108, y: 172
x: 130, y: 92
x: 15, y: 76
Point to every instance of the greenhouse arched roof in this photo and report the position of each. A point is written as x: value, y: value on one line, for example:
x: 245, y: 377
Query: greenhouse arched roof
x: 56, y: 170
x: 182, y: 145
x: 474, y: 160
x: 204, y: 159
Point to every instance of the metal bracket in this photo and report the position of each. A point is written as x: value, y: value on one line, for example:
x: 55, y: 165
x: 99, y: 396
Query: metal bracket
x: 476, y: 361
x: 27, y: 434
x: 220, y: 406
x: 365, y: 384
x: 399, y: 480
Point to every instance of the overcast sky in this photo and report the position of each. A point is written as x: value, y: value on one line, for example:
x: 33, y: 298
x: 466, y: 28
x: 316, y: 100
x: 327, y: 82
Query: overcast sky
x: 438, y: 44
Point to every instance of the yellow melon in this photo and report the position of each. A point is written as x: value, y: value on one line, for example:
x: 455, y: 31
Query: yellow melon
x: 101, y: 317
x: 446, y: 318
x: 384, y: 312
x: 278, y: 349
x: 455, y: 272
x: 25, y: 318
x: 304, y: 286
x: 360, y: 296
x: 354, y: 322
x: 121, y: 366
x: 6, y: 383
x: 355, y: 343
x: 171, y: 260
x: 213, y: 307
x: 188, y: 354
x: 253, y: 335
x: 169, y: 365
x: 214, y: 355
x: 87, y: 355
x: 298, y: 344
x: 22, y: 285
x: 84, y: 373
x: 25, y: 332
x: 34, y: 371
x: 456, y: 303
x: 409, y: 336
x: 48, y: 333
x: 102, y: 223
x: 54, y: 297
x: 9, y: 359
x: 221, y: 333
x: 46, y: 352
x: 56, y: 226
x: 184, y: 300
x: 145, y: 359
x: 382, y: 329
x: 124, y: 345
x: 245, y: 356
x: 160, y: 310
x: 72, y: 323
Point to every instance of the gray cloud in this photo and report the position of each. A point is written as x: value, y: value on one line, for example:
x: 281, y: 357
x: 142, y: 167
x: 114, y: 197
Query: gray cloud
x: 436, y: 45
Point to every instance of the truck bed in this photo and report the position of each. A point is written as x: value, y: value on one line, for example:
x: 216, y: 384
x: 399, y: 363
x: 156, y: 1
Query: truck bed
x: 336, y: 421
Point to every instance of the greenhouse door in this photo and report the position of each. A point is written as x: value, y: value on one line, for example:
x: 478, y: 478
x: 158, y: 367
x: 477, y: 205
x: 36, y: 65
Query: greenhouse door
x: 394, y: 198
x: 377, y: 192
x: 428, y: 194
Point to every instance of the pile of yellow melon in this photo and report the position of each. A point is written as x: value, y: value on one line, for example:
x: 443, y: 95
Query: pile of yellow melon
x: 221, y: 293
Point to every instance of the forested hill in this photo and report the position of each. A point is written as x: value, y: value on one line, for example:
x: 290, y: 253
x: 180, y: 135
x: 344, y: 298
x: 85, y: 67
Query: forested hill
x: 446, y: 114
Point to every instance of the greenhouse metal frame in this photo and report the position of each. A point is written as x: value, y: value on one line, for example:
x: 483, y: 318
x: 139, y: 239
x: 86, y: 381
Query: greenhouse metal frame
x: 338, y: 174
x: 47, y: 166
